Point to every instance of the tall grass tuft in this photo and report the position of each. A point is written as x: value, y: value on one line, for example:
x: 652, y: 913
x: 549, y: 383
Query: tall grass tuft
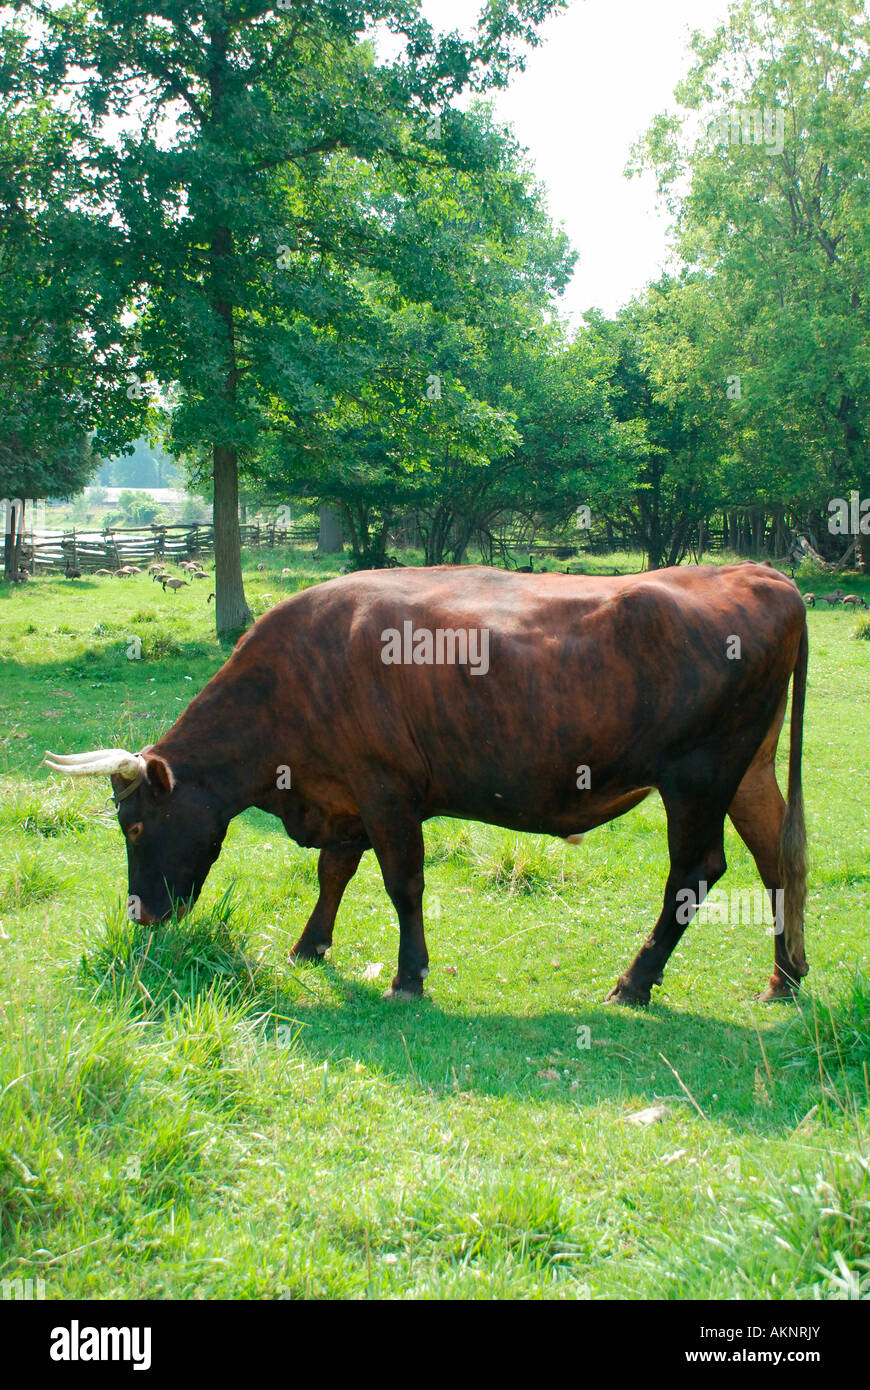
x: 833, y: 1033
x: 804, y: 1239
x: 173, y: 964
x: 44, y: 810
x: 521, y: 865
x: 448, y: 842
x: 29, y: 879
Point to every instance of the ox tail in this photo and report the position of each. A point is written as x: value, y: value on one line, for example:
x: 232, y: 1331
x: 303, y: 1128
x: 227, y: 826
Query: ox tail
x: 792, y: 847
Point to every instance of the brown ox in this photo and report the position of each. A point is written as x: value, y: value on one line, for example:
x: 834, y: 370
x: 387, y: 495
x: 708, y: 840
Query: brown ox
x: 338, y: 715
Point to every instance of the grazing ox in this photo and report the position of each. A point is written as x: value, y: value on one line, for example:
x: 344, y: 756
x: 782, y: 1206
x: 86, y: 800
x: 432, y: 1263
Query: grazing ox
x: 339, y: 715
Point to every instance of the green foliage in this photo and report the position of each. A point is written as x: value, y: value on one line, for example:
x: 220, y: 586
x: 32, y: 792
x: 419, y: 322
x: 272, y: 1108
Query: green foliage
x: 53, y: 306
x: 257, y: 244
x: 762, y: 173
x: 138, y: 508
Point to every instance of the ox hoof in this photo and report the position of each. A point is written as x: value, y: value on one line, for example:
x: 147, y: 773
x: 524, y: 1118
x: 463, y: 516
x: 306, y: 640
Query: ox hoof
x: 778, y: 989
x: 624, y: 994
x: 402, y: 994
x: 308, y: 953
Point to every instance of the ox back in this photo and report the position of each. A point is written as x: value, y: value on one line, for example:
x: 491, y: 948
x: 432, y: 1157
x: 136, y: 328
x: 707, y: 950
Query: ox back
x: 550, y: 703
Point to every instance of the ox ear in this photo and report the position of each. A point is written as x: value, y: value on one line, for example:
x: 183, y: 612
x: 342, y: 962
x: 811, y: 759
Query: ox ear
x: 158, y: 773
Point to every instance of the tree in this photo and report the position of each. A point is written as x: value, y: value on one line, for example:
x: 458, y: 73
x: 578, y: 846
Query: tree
x: 765, y: 174
x: 55, y: 350
x: 251, y: 120
x: 661, y: 394
x: 475, y: 406
x: 29, y: 474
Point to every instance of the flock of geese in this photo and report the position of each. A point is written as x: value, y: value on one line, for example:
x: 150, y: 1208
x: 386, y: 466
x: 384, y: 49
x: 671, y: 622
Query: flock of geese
x: 157, y: 571
x: 834, y: 597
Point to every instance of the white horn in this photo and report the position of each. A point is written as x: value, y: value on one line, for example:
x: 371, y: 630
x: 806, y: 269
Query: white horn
x: 73, y: 758
x: 101, y: 762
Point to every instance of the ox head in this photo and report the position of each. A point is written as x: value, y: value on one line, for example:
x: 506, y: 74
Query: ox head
x: 171, y: 827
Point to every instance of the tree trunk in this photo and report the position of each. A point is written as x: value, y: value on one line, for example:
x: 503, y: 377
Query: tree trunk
x: 331, y: 538
x: 13, y: 535
x: 19, y: 538
x: 862, y: 549
x: 734, y: 532
x: 8, y: 537
x: 232, y: 613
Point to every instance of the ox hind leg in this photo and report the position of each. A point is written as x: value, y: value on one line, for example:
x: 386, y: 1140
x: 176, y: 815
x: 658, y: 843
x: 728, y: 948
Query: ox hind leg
x: 757, y: 813
x: 696, y: 827
x: 335, y: 869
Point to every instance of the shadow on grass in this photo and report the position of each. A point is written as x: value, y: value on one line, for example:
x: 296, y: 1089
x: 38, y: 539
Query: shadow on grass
x: 570, y: 1058
x: 508, y: 1054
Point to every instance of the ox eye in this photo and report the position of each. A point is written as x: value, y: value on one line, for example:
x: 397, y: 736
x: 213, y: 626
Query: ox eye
x: 135, y: 831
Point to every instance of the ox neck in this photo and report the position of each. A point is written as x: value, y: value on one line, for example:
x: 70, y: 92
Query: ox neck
x: 216, y: 746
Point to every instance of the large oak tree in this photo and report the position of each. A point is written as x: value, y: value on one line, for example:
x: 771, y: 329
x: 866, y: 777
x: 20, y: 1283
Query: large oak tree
x: 234, y: 124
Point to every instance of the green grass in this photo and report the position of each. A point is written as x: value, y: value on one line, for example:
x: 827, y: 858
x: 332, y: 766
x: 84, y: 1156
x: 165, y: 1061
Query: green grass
x: 185, y: 1115
x: 31, y: 877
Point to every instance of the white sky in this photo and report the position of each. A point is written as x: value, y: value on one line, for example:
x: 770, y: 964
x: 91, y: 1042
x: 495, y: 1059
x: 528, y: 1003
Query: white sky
x: 605, y: 68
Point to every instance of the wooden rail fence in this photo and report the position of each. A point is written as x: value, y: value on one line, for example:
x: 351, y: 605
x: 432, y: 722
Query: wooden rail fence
x: 117, y: 546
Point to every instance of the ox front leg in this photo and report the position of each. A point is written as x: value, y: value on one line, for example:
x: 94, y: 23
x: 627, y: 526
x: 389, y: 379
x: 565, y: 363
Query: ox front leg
x: 696, y: 859
x: 398, y: 844
x: 335, y: 869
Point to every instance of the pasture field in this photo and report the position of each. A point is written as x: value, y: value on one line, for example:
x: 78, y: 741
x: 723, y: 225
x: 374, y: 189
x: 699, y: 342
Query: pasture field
x: 184, y: 1115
